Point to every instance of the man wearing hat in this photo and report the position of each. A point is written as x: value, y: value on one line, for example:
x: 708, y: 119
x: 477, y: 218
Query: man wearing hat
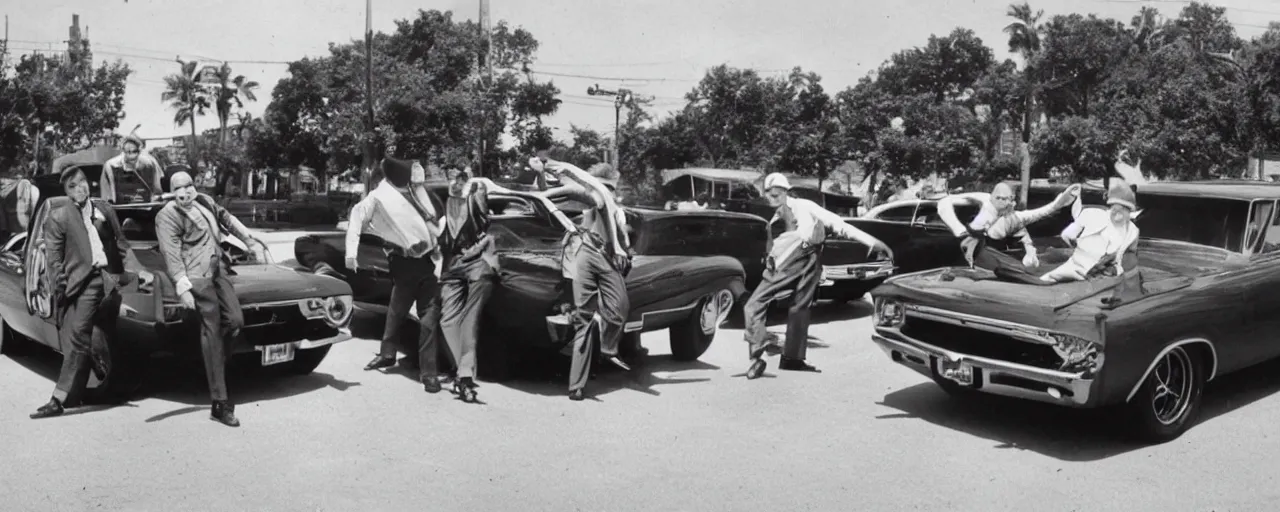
x: 470, y: 266
x: 18, y: 198
x: 87, y: 253
x: 189, y: 230
x: 1103, y: 239
x: 792, y: 264
x: 997, y: 226
x: 132, y: 172
x: 399, y: 210
x: 599, y: 259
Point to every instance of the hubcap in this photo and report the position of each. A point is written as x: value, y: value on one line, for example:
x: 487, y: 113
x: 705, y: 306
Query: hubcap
x: 715, y: 309
x: 1173, y: 378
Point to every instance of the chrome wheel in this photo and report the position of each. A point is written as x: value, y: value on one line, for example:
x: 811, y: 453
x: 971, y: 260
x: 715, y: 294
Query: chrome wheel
x: 1173, y: 379
x: 715, y: 309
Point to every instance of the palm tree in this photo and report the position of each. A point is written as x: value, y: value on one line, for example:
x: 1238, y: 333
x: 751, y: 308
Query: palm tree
x: 1024, y: 39
x: 230, y: 92
x: 188, y: 98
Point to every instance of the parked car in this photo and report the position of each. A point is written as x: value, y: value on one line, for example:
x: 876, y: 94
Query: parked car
x: 691, y: 295
x: 291, y: 318
x: 1202, y: 304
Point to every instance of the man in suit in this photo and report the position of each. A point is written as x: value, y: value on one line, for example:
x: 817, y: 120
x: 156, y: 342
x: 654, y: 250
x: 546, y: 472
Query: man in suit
x: 86, y: 251
x: 190, y: 233
x: 133, y: 172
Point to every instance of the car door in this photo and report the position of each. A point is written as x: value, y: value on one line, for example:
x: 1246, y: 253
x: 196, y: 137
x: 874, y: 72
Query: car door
x: 1260, y: 281
x: 37, y: 287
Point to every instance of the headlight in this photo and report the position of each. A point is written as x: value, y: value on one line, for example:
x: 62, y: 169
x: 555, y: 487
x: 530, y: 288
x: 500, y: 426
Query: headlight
x: 337, y: 310
x: 1078, y: 354
x: 889, y: 313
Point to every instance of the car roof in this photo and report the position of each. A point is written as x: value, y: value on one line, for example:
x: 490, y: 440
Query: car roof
x: 657, y: 214
x: 1245, y: 190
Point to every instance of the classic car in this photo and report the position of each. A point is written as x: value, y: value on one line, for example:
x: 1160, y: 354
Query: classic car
x: 689, y: 295
x: 291, y: 318
x: 1201, y: 303
x: 921, y: 240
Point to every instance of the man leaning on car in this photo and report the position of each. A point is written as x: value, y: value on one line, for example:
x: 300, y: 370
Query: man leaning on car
x: 86, y: 251
x: 189, y: 231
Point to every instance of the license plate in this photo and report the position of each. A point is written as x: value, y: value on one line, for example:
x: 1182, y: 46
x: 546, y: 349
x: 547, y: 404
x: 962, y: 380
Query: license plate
x: 275, y: 354
x: 959, y: 372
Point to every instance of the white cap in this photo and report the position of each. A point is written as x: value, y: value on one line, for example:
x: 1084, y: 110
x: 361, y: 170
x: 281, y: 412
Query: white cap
x: 776, y: 180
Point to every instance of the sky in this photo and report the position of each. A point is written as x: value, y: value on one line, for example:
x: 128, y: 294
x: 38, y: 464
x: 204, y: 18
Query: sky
x: 658, y: 48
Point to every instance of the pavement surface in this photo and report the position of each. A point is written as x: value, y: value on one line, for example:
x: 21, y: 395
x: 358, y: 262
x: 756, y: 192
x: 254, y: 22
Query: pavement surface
x: 864, y: 435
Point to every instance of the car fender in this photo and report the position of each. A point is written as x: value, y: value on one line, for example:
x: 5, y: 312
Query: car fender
x: 1213, y: 354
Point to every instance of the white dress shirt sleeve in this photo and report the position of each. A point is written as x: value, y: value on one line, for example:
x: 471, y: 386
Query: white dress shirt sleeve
x: 841, y: 228
x: 356, y: 223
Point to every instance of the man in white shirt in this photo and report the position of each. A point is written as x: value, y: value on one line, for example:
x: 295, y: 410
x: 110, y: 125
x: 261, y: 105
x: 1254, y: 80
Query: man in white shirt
x: 997, y: 226
x: 792, y: 264
x: 1103, y: 239
x: 132, y: 172
x: 400, y: 212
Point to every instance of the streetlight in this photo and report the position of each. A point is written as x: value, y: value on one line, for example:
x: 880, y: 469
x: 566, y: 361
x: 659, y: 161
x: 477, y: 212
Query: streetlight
x: 621, y: 97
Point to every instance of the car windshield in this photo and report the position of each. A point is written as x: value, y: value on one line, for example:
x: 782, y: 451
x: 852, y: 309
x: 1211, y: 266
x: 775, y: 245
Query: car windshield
x: 1198, y: 220
x: 138, y: 223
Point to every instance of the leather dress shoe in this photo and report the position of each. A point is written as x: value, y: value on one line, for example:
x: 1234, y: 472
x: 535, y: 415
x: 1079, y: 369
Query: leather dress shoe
x: 49, y: 410
x: 617, y: 362
x: 431, y: 385
x: 756, y: 369
x: 380, y: 362
x: 466, y: 390
x: 225, y: 413
x: 797, y: 365
x: 577, y: 395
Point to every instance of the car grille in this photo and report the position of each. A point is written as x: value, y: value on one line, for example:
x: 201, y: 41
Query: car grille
x: 271, y: 315
x: 976, y: 342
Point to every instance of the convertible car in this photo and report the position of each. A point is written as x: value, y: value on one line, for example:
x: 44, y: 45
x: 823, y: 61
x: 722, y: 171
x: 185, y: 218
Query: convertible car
x: 1200, y: 303
x: 291, y: 317
x: 689, y: 295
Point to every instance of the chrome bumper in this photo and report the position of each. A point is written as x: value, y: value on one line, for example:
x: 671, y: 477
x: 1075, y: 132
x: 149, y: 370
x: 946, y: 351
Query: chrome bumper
x: 344, y: 334
x: 858, y: 272
x: 992, y: 376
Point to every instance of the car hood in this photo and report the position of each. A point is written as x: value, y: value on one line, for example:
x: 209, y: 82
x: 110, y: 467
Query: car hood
x: 260, y: 283
x: 1163, y: 267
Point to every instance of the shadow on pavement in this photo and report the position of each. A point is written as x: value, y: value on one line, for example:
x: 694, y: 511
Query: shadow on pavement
x: 551, y: 377
x: 820, y: 313
x: 1076, y: 435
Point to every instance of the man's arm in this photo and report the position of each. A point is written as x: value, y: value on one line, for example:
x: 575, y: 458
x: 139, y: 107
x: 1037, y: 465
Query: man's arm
x: 55, y: 239
x: 591, y: 185
x: 841, y: 228
x: 237, y: 228
x: 356, y: 222
x: 169, y: 234
x: 122, y: 243
x: 947, y: 211
x: 156, y: 187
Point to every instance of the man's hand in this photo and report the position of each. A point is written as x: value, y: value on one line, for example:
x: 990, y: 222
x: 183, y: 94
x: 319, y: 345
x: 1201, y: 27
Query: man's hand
x: 968, y: 246
x: 351, y: 264
x: 1067, y: 196
x: 188, y: 301
x: 881, y: 249
x: 1031, y: 260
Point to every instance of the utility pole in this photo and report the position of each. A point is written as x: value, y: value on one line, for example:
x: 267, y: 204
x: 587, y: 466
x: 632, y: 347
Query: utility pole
x: 368, y: 94
x: 621, y: 98
x: 485, y: 70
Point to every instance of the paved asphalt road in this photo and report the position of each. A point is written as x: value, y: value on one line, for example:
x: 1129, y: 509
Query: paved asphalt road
x: 863, y: 435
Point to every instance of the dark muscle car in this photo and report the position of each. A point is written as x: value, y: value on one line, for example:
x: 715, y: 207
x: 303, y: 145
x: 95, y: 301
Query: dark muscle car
x: 291, y: 317
x: 1201, y: 302
x: 689, y: 295
x: 921, y: 240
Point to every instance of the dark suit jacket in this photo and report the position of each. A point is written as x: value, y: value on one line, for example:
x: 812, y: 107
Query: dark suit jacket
x: 67, y: 246
x: 188, y: 248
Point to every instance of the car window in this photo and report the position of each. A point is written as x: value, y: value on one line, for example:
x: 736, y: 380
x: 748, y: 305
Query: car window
x: 1268, y: 227
x: 682, y: 237
x: 526, y: 233
x: 904, y: 213
x: 510, y: 206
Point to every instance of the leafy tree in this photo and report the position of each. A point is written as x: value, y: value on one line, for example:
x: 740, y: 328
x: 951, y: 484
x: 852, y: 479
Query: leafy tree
x: 230, y: 92
x: 188, y: 98
x: 1077, y: 54
x: 944, y: 68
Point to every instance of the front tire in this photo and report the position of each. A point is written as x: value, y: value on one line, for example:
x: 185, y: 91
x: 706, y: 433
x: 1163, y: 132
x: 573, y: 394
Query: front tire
x: 691, y: 337
x: 1169, y: 399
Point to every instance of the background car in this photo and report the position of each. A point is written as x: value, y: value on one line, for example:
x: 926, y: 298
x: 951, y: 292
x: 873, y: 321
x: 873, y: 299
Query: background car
x: 291, y: 318
x: 689, y: 295
x: 1201, y: 303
